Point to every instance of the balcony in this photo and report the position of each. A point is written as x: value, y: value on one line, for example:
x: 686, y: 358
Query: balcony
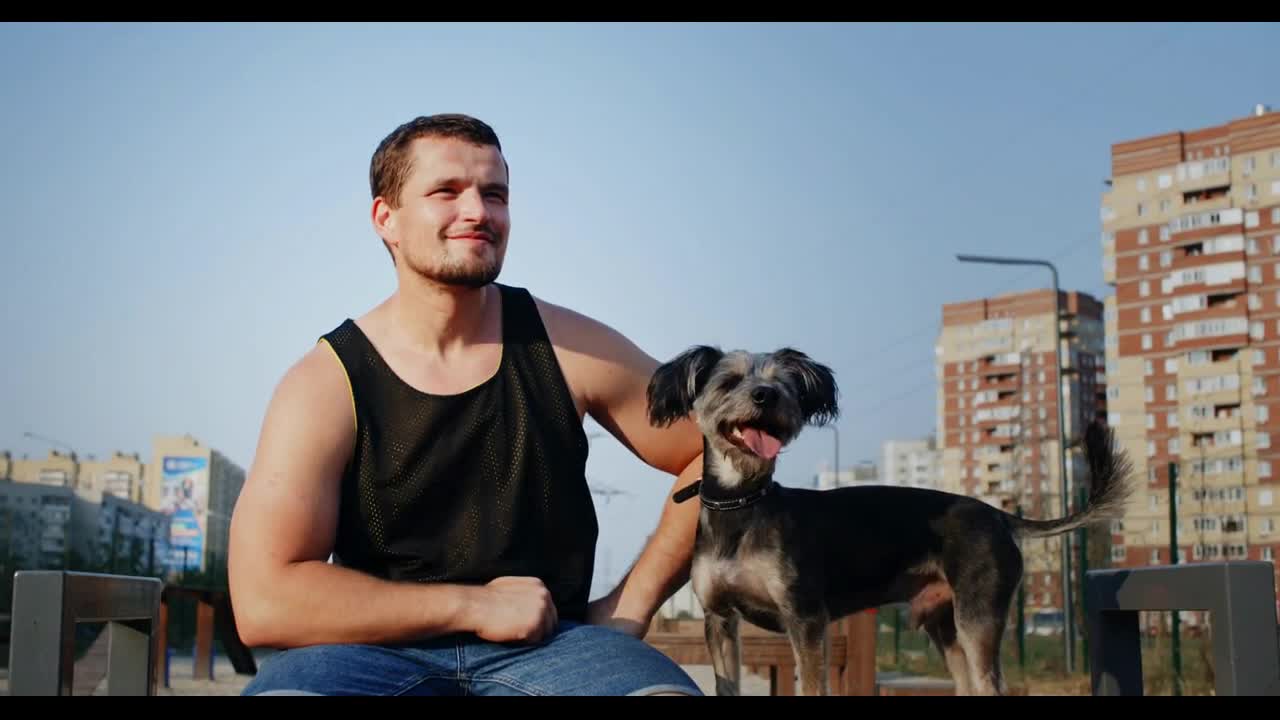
x: 1205, y: 219
x: 1197, y: 175
x: 1000, y: 369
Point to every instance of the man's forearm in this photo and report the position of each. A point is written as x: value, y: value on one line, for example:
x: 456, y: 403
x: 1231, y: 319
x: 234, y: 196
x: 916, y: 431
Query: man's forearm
x: 315, y: 602
x: 663, y: 565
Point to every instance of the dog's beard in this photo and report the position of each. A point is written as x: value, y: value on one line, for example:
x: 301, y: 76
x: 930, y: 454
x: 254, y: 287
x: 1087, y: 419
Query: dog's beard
x: 745, y: 449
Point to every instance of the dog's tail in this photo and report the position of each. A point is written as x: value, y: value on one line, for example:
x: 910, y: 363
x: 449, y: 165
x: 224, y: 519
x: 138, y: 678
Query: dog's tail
x: 1110, y: 485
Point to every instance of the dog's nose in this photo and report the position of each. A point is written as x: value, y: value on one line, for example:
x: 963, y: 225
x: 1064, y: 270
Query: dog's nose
x: 764, y: 395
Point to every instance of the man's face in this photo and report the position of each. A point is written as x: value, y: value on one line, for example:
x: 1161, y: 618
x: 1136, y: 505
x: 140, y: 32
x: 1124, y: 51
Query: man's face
x: 452, y: 223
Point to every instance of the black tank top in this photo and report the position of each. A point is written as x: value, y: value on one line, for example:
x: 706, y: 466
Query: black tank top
x: 468, y: 487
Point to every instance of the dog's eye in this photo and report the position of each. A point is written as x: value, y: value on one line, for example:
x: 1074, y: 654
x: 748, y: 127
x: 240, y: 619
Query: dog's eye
x: 730, y: 382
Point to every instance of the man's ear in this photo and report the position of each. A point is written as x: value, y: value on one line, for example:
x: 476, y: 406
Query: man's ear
x: 675, y: 385
x: 384, y: 222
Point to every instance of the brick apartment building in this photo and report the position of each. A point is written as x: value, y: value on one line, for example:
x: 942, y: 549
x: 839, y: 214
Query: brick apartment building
x: 998, y: 410
x: 1191, y: 243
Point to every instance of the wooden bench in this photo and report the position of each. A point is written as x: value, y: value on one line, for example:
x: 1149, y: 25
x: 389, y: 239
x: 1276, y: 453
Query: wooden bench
x: 852, y: 657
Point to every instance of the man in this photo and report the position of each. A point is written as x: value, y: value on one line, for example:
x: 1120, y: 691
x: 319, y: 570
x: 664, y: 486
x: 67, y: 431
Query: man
x: 416, y: 519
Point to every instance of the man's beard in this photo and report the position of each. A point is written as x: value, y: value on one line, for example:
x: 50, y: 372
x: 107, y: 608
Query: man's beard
x: 473, y: 273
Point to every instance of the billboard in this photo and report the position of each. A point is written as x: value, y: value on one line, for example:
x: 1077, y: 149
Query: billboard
x: 184, y: 492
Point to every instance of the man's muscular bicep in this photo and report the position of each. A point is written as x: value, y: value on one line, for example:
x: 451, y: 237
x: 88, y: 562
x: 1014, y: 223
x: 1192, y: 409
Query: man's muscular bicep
x: 611, y: 374
x: 287, y: 511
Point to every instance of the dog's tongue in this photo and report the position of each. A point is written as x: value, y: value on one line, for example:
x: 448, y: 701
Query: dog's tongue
x: 761, y: 443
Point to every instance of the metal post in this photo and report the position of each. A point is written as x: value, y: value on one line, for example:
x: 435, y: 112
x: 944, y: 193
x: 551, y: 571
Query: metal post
x: 1068, y: 620
x: 897, y: 634
x: 835, y: 482
x: 1022, y: 619
x: 1084, y: 569
x: 1173, y: 560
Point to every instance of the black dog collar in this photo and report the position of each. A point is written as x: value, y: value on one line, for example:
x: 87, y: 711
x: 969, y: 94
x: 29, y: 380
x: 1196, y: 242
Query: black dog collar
x: 695, y: 488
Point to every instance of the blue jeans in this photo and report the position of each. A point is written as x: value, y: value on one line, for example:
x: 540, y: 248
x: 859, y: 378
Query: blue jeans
x: 578, y: 660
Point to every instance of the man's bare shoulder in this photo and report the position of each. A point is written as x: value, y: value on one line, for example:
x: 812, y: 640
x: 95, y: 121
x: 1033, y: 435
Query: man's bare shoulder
x: 583, y: 336
x: 610, y: 374
x: 315, y: 392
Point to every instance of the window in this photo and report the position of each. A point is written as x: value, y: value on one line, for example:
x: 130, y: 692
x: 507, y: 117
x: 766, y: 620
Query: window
x: 1249, y: 165
x: 1143, y: 263
x: 1251, y: 246
x: 1264, y: 440
x: 1171, y: 365
x: 1265, y: 498
x: 1146, y: 341
x: 1259, y: 356
x: 1142, y: 184
x: 1164, y: 233
x: 1117, y: 553
x: 1155, y: 557
x: 1147, y: 367
x: 1255, y: 274
x: 1142, y: 211
x: 1255, y: 302
x: 1165, y: 180
x: 1267, y: 554
x: 1264, y: 468
x: 1151, y: 421
x: 1171, y: 419
x: 1262, y: 413
x: 1144, y: 288
x: 1166, y: 258
x: 1171, y: 391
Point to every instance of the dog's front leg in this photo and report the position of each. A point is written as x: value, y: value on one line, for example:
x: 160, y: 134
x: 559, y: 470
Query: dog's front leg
x: 722, y: 643
x: 812, y: 649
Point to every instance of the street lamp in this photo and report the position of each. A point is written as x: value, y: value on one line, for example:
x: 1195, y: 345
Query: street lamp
x: 836, y: 430
x: 48, y: 440
x: 1068, y: 620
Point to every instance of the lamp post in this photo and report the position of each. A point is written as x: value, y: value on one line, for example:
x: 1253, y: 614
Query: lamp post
x: 1068, y: 620
x: 836, y: 468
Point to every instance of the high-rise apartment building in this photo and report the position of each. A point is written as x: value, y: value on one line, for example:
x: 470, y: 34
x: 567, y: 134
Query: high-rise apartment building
x: 193, y: 487
x: 911, y: 463
x: 1191, y: 243
x: 197, y: 487
x: 998, y: 409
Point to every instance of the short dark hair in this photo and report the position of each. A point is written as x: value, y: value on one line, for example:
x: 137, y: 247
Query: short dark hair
x: 392, y: 161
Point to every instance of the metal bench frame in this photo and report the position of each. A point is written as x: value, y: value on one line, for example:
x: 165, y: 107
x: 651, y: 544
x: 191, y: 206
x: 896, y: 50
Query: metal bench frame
x: 47, y: 605
x: 1239, y: 595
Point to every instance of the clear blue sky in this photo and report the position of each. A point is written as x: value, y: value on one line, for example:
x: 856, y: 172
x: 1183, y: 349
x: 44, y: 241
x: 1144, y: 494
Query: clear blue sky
x: 185, y: 208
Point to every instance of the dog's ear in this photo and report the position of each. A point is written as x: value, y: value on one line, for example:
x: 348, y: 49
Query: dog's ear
x: 676, y: 384
x: 816, y: 385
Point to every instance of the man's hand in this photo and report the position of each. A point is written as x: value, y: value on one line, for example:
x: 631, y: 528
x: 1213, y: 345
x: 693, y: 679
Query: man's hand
x: 605, y: 611
x: 512, y: 609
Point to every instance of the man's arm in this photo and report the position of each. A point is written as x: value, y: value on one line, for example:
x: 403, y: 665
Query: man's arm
x: 286, y: 593
x: 612, y: 375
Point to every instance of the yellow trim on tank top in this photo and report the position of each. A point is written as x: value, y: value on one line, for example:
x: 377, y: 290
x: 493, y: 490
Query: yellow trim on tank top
x: 351, y: 390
